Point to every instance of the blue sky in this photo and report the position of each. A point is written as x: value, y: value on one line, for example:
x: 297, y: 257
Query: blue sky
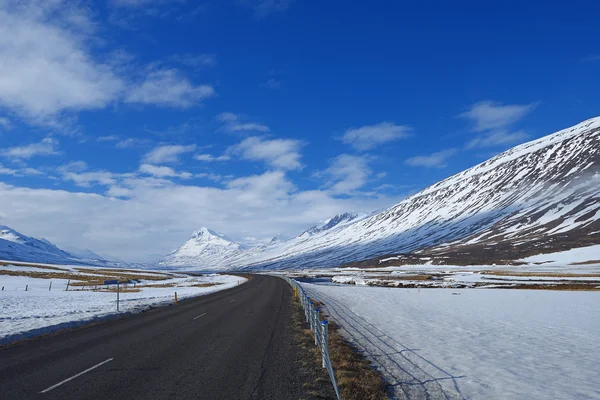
x: 127, y: 124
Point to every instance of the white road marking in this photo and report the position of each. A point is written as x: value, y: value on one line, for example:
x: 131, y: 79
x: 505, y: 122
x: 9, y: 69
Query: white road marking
x: 201, y: 315
x: 232, y: 301
x: 76, y: 376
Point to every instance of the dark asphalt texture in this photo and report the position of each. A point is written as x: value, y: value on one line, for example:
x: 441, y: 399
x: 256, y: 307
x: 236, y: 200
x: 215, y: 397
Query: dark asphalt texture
x: 242, y: 348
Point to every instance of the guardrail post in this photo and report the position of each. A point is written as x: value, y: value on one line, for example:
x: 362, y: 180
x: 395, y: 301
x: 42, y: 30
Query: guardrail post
x: 325, y: 340
x: 316, y: 324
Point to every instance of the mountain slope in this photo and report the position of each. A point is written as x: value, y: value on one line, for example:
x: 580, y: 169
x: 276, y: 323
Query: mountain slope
x: 537, y: 197
x: 15, y: 246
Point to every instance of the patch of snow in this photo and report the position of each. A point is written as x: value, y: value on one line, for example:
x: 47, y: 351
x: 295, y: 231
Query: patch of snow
x: 581, y: 254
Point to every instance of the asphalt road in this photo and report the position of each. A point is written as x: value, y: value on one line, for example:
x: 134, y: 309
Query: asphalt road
x: 234, y: 344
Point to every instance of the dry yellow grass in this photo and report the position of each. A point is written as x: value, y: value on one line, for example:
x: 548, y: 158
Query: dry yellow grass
x: 123, y: 276
x: 577, y: 287
x: 16, y: 264
x: 355, y: 375
x: 45, y: 275
x: 207, y: 284
x: 587, y: 262
x: 160, y: 285
x: 409, y: 277
x: 541, y: 274
x: 121, y: 290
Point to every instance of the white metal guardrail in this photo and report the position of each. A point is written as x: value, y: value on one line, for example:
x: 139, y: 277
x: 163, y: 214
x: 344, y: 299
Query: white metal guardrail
x: 319, y: 328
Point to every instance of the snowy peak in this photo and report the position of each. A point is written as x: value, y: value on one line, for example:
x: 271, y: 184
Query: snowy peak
x: 276, y: 239
x: 338, y: 220
x: 204, y: 247
x: 207, y: 235
x: 11, y: 235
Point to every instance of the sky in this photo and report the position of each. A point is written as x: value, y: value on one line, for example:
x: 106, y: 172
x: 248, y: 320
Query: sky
x: 125, y: 125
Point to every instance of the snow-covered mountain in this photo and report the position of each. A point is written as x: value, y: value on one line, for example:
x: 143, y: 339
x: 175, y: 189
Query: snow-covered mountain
x: 15, y: 246
x: 540, y: 196
x: 206, y: 248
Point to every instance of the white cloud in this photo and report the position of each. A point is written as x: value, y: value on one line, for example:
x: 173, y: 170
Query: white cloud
x: 19, y: 172
x: 163, y: 172
x: 370, y: 136
x: 590, y: 58
x: 264, y: 8
x: 157, y: 215
x: 278, y: 153
x: 87, y: 179
x: 434, y: 160
x: 5, y: 123
x: 227, y: 117
x: 490, y: 115
x: 346, y: 174
x: 492, y: 121
x: 272, y: 84
x: 77, y: 173
x: 167, y: 154
x: 49, y: 70
x: 130, y: 143
x: 498, y: 138
x: 46, y: 67
x: 195, y: 60
x: 247, y: 127
x: 211, y: 158
x: 47, y: 147
x: 233, y: 123
x: 166, y: 87
x: 134, y: 3
x: 111, y: 138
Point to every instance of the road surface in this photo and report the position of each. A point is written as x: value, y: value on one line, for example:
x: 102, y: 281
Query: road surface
x: 233, y: 344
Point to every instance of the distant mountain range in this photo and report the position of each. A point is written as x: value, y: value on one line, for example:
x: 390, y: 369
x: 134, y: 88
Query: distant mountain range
x: 539, y: 197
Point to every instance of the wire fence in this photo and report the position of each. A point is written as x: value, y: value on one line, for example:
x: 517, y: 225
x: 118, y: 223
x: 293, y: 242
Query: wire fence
x: 320, y: 329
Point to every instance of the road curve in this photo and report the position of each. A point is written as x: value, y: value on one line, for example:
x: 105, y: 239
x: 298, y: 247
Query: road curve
x: 233, y: 344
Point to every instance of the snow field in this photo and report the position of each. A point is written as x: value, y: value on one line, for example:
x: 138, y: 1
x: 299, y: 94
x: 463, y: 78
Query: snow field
x: 474, y: 343
x: 38, y: 310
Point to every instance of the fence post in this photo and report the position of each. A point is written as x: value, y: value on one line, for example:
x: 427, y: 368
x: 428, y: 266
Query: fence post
x: 316, y: 324
x: 175, y: 297
x: 325, y: 339
x: 26, y: 287
x: 50, y: 288
x: 67, y: 289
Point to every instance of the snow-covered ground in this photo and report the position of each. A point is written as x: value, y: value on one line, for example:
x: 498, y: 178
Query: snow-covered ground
x: 579, y: 255
x: 474, y: 343
x: 40, y: 310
